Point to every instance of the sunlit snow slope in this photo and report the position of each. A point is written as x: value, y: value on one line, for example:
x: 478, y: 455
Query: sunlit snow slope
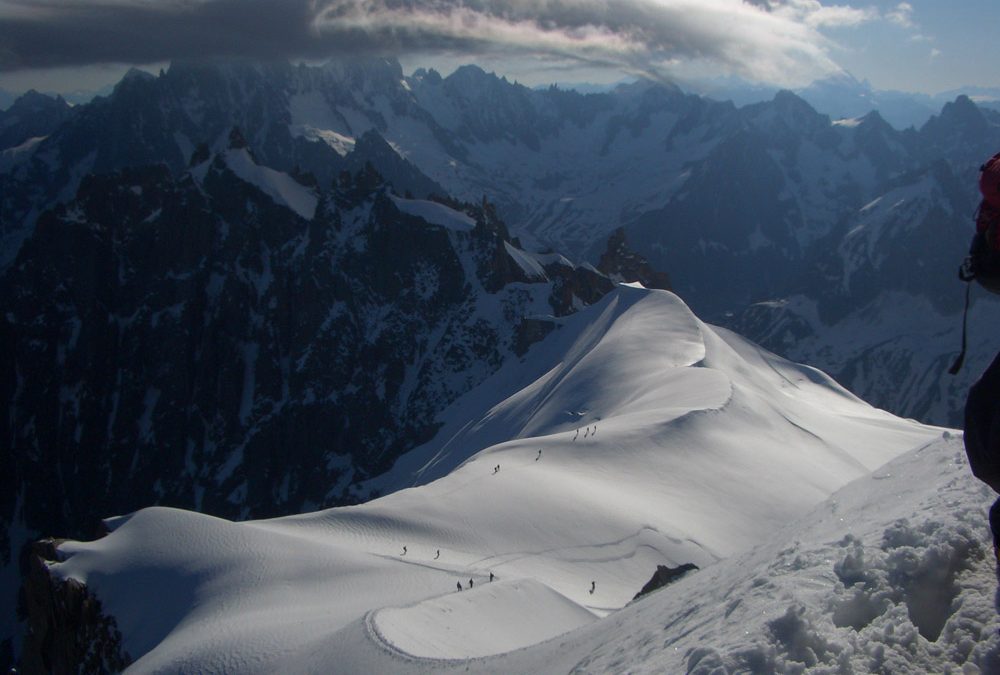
x: 634, y: 435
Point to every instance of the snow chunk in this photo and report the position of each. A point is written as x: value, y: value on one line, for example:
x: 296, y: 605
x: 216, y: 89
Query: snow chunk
x: 526, y: 262
x: 11, y: 157
x: 848, y: 122
x: 281, y: 187
x: 435, y: 214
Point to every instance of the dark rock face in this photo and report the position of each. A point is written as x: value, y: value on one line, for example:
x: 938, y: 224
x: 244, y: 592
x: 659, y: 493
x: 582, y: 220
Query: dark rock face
x: 664, y: 575
x: 67, y: 630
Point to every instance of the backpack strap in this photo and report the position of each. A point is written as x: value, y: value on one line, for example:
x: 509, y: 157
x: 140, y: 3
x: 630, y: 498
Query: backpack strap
x: 957, y: 366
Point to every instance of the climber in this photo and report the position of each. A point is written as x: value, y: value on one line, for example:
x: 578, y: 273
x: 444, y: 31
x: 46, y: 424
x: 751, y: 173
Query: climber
x: 982, y: 407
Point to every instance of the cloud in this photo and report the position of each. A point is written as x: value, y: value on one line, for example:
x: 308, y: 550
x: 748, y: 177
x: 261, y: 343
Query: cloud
x: 774, y: 41
x: 816, y: 15
x: 902, y: 15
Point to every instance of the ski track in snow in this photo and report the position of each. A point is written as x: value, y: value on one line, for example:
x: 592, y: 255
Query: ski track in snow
x: 707, y: 446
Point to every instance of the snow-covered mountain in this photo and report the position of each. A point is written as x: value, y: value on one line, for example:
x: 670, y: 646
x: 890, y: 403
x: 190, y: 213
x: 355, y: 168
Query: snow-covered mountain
x: 632, y: 436
x: 259, y: 322
x: 240, y: 341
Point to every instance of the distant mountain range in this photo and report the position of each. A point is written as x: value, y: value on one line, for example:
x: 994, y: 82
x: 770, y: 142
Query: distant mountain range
x: 844, y: 97
x: 840, y: 96
x: 76, y: 97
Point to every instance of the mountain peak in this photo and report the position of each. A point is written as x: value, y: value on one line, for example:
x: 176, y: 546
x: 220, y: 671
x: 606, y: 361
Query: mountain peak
x: 136, y: 74
x: 33, y: 100
x: 874, y: 120
x: 472, y: 77
x: 791, y: 110
x: 963, y: 110
x: 789, y: 100
x: 236, y: 139
x: 961, y: 115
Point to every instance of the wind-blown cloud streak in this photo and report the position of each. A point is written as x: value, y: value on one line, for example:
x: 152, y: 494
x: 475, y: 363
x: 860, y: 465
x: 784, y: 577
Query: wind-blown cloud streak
x: 772, y: 42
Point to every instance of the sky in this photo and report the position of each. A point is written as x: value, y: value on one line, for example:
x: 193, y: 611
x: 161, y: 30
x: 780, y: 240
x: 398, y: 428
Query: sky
x: 924, y: 46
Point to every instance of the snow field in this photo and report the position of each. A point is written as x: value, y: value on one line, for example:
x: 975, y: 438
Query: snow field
x: 663, y: 441
x: 465, y: 624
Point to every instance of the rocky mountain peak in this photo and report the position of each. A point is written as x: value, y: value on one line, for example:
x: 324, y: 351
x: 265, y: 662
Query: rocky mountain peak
x: 427, y: 76
x: 622, y: 264
x: 962, y: 111
x: 32, y: 115
x: 961, y: 127
x: 796, y: 113
x: 32, y: 101
x: 236, y: 139
x: 136, y: 75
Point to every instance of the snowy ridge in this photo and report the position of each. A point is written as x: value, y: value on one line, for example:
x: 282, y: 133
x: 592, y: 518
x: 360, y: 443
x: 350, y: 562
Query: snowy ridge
x: 634, y: 435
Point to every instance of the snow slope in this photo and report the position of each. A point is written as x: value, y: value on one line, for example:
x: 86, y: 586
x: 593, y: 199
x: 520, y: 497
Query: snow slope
x: 633, y: 436
x: 892, y: 574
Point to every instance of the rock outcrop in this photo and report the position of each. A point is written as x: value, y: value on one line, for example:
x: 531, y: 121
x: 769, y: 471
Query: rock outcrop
x: 67, y: 629
x: 663, y: 576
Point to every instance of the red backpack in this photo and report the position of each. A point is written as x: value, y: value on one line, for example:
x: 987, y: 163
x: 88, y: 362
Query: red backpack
x: 983, y: 261
x: 989, y: 181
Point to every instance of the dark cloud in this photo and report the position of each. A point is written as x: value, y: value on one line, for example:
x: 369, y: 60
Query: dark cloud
x: 652, y: 36
x: 53, y: 33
